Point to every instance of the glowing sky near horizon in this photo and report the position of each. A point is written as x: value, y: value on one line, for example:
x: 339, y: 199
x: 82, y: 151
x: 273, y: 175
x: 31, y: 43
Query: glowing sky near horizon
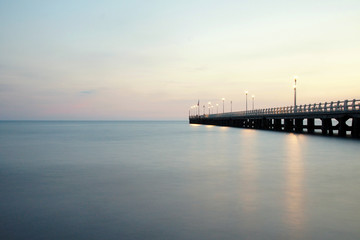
x: 114, y: 60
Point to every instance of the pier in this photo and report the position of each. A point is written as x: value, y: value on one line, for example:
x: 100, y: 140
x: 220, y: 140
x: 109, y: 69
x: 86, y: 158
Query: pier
x: 341, y: 118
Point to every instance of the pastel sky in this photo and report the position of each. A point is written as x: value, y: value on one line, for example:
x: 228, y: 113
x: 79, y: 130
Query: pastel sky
x: 124, y: 60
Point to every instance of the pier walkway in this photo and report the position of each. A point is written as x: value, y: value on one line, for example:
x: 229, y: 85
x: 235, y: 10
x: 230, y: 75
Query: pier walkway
x: 341, y: 118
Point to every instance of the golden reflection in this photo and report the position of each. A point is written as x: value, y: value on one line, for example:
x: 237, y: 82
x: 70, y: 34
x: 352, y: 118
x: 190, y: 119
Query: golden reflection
x: 224, y: 128
x: 294, y: 191
x: 249, y: 174
x: 209, y: 126
x: 249, y: 132
x: 195, y: 125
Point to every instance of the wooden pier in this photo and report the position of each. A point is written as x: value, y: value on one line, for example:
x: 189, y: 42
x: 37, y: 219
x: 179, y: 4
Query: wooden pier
x: 341, y: 118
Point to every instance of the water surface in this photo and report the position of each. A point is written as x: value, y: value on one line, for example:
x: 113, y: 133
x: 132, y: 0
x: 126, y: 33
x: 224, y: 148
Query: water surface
x: 172, y: 180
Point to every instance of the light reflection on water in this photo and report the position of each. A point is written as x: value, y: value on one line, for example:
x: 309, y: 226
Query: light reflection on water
x: 249, y: 173
x: 294, y: 192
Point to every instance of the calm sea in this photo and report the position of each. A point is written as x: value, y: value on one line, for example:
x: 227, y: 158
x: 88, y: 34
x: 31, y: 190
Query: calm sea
x: 172, y: 180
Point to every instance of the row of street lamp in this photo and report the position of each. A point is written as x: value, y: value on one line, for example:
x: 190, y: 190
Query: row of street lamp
x: 211, y: 107
x: 194, y: 110
x: 253, y: 101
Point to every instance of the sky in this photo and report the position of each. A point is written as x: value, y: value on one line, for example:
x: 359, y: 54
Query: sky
x: 152, y: 60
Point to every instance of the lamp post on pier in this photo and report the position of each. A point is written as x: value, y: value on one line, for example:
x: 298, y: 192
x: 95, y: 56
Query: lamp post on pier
x: 209, y: 103
x: 246, y: 93
x: 223, y: 99
x: 253, y: 102
x: 295, y: 95
x: 217, y: 108
x: 198, y: 108
x: 230, y: 106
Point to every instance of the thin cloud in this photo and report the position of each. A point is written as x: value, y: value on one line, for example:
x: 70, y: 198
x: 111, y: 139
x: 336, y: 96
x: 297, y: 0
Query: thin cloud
x: 87, y: 92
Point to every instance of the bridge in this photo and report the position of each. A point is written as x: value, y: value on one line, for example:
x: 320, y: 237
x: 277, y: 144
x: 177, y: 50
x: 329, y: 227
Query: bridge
x: 341, y: 118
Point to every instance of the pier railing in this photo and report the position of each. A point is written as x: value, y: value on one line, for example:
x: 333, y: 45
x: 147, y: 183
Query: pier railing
x: 339, y: 106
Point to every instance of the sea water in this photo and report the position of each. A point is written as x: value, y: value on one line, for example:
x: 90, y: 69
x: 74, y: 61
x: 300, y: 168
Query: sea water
x: 172, y: 180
